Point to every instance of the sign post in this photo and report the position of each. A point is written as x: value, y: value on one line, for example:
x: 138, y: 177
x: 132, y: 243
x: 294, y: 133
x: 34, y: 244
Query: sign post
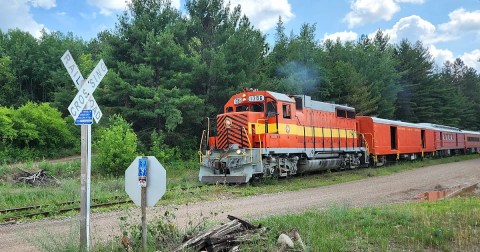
x: 145, y: 183
x: 142, y: 181
x: 83, y: 111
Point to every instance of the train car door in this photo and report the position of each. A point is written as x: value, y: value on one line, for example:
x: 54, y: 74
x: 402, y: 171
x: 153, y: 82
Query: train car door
x: 423, y: 139
x: 393, y: 137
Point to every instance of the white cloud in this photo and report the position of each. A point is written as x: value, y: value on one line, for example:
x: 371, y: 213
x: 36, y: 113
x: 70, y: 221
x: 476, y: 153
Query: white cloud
x: 441, y: 55
x: 46, y: 4
x: 264, y: 14
x: 462, y: 21
x: 343, y: 36
x: 472, y: 58
x: 416, y: 28
x: 16, y: 14
x: 369, y: 11
x: 108, y: 7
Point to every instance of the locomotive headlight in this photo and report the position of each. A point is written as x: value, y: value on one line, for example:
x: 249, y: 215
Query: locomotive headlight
x: 239, y: 152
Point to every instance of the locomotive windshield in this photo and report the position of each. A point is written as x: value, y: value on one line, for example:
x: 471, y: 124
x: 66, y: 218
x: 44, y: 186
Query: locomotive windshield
x: 255, y: 107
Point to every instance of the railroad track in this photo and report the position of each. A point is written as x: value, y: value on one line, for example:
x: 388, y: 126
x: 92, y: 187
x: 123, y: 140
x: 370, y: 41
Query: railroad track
x: 64, y: 207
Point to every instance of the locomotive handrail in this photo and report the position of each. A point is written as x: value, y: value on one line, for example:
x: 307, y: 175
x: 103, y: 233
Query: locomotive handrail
x: 249, y: 143
x: 366, y: 142
x: 200, y: 147
x: 208, y: 129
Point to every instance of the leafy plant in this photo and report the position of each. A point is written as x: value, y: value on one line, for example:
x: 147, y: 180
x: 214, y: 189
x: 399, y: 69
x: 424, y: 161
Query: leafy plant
x: 115, y: 147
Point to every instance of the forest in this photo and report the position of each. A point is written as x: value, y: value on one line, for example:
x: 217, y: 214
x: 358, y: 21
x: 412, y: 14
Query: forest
x: 168, y: 71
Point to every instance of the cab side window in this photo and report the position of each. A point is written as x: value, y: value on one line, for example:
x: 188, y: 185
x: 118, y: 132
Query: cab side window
x: 287, y: 113
x: 271, y: 108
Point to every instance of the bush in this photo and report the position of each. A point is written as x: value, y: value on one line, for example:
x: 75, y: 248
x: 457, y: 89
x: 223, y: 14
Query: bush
x: 115, y: 147
x: 159, y: 149
x: 33, y: 131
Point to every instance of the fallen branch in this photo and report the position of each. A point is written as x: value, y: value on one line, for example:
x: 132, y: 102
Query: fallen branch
x: 225, y: 237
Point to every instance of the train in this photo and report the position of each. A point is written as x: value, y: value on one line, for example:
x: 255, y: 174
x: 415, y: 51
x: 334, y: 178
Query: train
x: 268, y: 134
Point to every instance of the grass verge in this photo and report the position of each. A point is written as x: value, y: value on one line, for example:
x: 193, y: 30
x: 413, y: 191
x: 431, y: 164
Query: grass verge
x: 446, y: 225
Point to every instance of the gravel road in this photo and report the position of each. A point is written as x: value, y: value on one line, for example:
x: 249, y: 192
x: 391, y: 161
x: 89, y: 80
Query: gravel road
x: 396, y: 188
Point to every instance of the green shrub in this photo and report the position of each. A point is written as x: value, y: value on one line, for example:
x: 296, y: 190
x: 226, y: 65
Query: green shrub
x: 159, y: 149
x: 33, y: 131
x: 115, y: 147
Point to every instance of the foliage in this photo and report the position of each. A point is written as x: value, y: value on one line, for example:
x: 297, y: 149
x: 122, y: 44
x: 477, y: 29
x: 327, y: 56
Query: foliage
x: 115, y: 147
x: 167, y: 71
x: 162, y: 233
x: 33, y: 130
x: 160, y: 150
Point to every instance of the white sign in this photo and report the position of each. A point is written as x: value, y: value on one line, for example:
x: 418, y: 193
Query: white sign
x: 85, y: 92
x: 255, y: 98
x: 157, y: 181
x: 77, y: 78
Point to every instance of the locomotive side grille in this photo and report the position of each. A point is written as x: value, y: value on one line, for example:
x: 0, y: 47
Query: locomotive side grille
x: 233, y: 134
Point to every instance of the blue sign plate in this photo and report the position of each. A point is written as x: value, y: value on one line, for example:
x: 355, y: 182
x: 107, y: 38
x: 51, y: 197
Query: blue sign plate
x: 85, y: 117
x: 142, y: 167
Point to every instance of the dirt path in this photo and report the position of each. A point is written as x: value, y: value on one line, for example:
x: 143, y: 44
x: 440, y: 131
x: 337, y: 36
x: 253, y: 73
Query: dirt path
x: 394, y: 188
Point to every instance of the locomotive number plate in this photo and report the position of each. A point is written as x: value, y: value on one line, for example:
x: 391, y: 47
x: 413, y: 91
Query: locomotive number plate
x: 255, y: 98
x: 237, y: 101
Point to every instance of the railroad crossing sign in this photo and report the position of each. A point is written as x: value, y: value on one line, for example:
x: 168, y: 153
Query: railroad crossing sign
x: 85, y: 88
x: 84, y: 109
x: 157, y: 180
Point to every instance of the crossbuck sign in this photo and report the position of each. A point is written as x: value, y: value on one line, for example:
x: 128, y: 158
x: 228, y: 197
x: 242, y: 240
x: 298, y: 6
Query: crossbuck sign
x: 85, y: 88
x: 82, y: 109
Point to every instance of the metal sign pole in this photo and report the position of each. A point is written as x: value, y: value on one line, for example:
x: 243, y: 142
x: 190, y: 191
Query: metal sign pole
x: 83, y: 187
x: 144, y: 218
x: 89, y: 172
x: 142, y: 181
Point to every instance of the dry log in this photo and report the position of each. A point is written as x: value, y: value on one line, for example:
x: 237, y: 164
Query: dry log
x: 224, y: 237
x: 36, y: 178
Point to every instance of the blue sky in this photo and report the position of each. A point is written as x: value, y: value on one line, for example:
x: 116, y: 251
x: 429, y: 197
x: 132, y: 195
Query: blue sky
x: 448, y: 28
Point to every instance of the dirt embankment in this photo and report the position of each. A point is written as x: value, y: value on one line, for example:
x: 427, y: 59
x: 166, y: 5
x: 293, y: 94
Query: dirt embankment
x: 394, y: 188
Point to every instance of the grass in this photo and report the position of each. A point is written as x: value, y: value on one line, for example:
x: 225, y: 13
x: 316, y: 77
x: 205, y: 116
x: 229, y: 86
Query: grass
x: 446, y: 225
x: 180, y: 175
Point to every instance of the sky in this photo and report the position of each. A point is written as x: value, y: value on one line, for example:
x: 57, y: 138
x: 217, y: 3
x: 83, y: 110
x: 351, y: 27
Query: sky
x: 448, y: 28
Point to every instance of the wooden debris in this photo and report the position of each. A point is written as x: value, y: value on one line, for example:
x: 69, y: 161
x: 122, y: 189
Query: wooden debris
x: 39, y: 178
x: 225, y: 237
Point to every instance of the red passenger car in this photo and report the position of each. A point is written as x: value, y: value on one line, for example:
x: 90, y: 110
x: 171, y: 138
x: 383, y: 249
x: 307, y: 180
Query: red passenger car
x: 472, y: 141
x: 395, y: 139
x: 448, y: 140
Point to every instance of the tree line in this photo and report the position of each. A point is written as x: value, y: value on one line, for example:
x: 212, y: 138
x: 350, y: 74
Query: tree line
x: 168, y: 71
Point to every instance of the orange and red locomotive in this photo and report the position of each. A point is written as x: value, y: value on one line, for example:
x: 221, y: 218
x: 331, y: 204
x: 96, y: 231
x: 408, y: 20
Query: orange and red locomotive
x: 264, y: 133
